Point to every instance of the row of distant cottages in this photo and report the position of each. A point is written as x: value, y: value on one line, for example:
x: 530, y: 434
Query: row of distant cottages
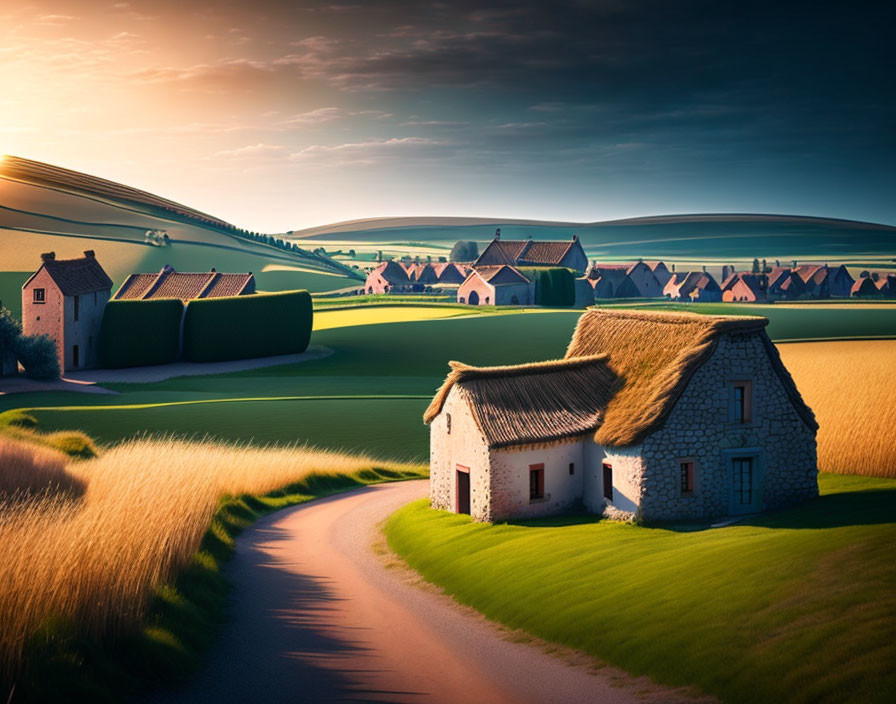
x: 495, y: 278
x: 65, y: 299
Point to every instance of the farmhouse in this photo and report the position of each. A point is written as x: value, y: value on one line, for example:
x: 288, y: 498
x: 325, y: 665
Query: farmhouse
x: 496, y: 286
x: 388, y: 277
x: 169, y: 283
x: 451, y: 273
x: 535, y: 253
x: 653, y: 414
x: 692, y: 286
x: 65, y: 299
x: 745, y: 287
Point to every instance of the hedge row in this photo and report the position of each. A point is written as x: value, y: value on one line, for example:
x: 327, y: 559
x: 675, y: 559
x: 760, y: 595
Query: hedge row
x: 140, y: 333
x: 241, y: 327
x: 554, y: 286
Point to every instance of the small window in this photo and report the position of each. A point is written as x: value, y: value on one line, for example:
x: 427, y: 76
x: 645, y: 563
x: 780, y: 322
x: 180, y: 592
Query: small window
x: 448, y: 422
x: 687, y: 478
x: 608, y: 482
x: 76, y: 359
x: 40, y: 295
x: 77, y: 308
x: 536, y: 482
x: 572, y: 468
x: 741, y: 401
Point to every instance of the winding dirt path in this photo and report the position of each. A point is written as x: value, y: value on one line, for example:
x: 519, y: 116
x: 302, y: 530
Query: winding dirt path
x: 317, y: 615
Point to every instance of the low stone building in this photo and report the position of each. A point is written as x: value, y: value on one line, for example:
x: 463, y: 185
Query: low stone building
x: 496, y: 286
x: 652, y: 414
x: 65, y: 299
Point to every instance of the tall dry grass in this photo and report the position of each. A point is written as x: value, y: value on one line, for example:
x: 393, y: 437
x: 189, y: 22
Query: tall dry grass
x: 147, y: 504
x: 28, y: 471
x: 851, y: 386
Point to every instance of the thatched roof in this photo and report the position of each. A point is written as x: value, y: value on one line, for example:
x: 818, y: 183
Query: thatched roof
x: 531, y: 404
x: 623, y: 372
x: 655, y: 354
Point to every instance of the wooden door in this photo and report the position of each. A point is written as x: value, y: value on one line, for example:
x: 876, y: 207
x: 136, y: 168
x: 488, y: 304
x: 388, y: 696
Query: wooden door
x: 463, y: 490
x: 744, y: 485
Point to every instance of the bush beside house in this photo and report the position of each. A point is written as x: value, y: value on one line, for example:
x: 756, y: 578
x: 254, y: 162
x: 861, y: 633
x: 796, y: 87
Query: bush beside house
x: 554, y: 286
x: 241, y: 327
x: 37, y: 353
x: 138, y: 333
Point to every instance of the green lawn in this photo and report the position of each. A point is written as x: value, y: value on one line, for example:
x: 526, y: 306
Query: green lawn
x: 795, y: 606
x: 358, y: 398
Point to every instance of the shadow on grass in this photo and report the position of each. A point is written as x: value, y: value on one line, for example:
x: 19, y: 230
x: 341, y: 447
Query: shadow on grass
x: 852, y: 508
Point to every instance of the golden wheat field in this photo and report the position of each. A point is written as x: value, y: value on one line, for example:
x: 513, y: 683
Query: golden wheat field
x: 851, y: 387
x: 91, y: 539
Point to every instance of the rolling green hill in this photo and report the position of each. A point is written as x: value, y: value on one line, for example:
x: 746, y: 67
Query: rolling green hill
x: 706, y: 237
x: 45, y: 208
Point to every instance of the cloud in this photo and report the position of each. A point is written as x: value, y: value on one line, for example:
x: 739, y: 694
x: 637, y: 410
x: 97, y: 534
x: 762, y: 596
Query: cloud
x: 250, y: 151
x: 371, y: 152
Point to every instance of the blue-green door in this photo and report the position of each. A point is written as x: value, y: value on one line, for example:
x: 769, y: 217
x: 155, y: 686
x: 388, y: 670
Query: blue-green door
x: 745, y: 487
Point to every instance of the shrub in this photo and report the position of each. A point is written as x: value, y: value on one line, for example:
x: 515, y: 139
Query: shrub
x: 72, y: 443
x: 554, y: 286
x: 464, y: 251
x: 241, y: 327
x: 39, y: 356
x: 10, y: 329
x: 140, y: 333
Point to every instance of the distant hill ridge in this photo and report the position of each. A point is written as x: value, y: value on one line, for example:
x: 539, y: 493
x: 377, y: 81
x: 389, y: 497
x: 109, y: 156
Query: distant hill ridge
x: 55, y: 176
x: 396, y: 223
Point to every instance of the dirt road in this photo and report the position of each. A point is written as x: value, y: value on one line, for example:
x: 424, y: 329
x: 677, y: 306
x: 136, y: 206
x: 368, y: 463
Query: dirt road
x: 318, y: 616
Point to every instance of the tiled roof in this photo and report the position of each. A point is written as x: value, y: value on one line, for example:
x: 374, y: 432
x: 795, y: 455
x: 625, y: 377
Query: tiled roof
x: 185, y: 286
x: 392, y: 272
x: 545, y: 252
x: 136, y: 285
x: 501, y: 275
x: 77, y: 276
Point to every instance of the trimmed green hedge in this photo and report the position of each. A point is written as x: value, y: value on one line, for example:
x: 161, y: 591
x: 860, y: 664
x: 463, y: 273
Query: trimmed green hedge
x: 241, y: 327
x: 140, y: 333
x: 554, y: 286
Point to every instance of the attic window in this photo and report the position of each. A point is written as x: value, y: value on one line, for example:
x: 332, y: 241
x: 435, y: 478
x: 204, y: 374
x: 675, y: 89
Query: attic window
x: 40, y: 295
x: 741, y: 402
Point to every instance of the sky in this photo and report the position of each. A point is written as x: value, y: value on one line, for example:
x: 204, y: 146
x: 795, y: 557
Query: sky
x: 282, y: 115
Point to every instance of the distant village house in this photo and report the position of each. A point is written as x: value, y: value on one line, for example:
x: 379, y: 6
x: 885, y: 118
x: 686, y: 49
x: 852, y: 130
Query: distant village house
x: 496, y: 286
x: 534, y: 253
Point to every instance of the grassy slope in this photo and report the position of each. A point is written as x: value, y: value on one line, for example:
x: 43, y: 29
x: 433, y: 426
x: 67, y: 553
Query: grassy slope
x: 377, y: 383
x: 793, y: 606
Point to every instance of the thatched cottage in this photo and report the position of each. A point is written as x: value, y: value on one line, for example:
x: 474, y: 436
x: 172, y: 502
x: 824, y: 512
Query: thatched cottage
x: 657, y: 414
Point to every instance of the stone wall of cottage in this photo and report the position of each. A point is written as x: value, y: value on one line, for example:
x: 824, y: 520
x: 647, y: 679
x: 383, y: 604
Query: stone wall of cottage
x: 699, y: 427
x: 510, y: 481
x: 464, y: 446
x: 627, y: 467
x: 85, y: 331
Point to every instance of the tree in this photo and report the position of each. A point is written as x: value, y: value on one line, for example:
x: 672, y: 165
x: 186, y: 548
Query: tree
x: 464, y: 251
x: 37, y: 353
x: 756, y: 269
x: 10, y: 329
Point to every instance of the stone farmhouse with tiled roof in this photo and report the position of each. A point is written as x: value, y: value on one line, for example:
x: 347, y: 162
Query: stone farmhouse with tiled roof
x: 632, y: 280
x: 501, y: 285
x: 660, y: 415
x: 65, y: 299
x: 392, y: 277
x: 534, y: 253
x: 169, y: 283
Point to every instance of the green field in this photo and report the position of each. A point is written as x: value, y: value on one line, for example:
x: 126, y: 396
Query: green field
x: 371, y: 392
x: 794, y: 606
